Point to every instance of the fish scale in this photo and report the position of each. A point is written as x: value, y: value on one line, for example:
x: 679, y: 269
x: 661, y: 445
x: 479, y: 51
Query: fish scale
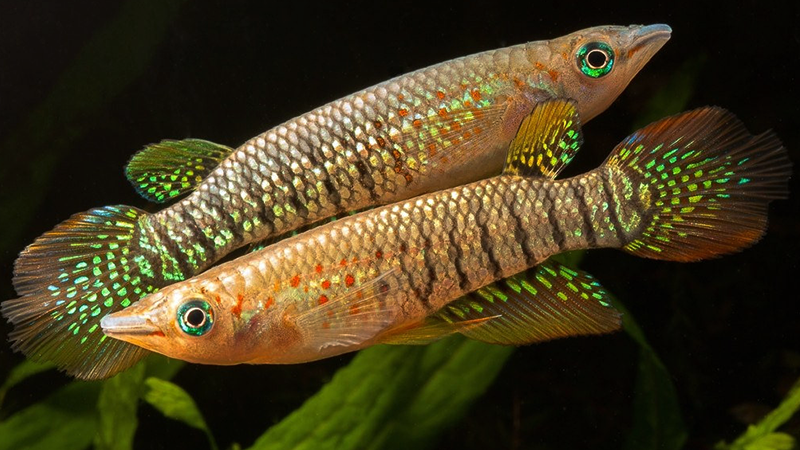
x: 473, y: 259
x: 431, y: 129
x: 416, y: 237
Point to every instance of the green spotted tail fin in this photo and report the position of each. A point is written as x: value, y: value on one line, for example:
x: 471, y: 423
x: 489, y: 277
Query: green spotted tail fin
x: 68, y: 279
x: 161, y: 172
x: 702, y: 183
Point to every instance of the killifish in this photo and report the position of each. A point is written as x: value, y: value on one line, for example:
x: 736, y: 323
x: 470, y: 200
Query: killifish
x: 474, y: 259
x: 434, y: 128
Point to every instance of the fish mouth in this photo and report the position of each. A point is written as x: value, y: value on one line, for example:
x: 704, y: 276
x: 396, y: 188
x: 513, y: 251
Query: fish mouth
x: 120, y: 326
x: 650, y: 37
x: 645, y: 41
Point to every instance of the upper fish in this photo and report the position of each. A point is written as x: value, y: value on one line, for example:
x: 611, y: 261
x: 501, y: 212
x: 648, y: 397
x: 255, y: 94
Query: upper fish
x: 434, y: 128
x: 473, y: 259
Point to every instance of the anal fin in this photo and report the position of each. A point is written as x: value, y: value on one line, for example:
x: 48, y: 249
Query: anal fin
x: 429, y: 330
x: 547, y: 302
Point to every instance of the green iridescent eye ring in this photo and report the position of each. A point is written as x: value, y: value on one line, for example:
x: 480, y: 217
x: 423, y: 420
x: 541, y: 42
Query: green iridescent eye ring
x: 195, y: 317
x: 595, y: 59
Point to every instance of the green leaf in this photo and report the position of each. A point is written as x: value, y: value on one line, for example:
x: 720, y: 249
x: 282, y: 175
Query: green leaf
x: 177, y: 404
x: 657, y: 421
x: 117, y: 406
x: 391, y: 397
x: 762, y: 436
x: 70, y: 418
x: 20, y: 372
x: 65, y: 420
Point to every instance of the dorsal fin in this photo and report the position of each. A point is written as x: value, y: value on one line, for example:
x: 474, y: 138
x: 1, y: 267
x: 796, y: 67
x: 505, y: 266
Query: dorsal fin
x: 163, y: 171
x: 547, y: 140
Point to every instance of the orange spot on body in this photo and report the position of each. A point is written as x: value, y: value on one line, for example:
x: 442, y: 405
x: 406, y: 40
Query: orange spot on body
x: 475, y: 94
x: 354, y: 310
x: 343, y: 262
x: 400, y: 96
x: 277, y: 286
x: 553, y: 74
x: 237, y: 308
x: 440, y: 95
x: 468, y: 104
x: 326, y: 284
x: 467, y: 135
x: 157, y: 333
x: 381, y: 142
x: 217, y: 299
x: 349, y: 280
x: 379, y: 254
x: 416, y: 123
x: 326, y: 325
x: 477, y: 130
x: 442, y: 113
x: 377, y: 124
x: 295, y: 281
x: 408, y: 178
x: 270, y: 302
x: 318, y: 268
x: 403, y: 112
x: 323, y: 299
x: 519, y: 83
x: 538, y: 66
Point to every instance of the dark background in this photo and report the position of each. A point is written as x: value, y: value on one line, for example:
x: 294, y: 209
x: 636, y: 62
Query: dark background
x: 728, y: 330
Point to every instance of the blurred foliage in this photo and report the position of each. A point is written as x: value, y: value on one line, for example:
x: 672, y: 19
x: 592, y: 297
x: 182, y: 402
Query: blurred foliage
x: 764, y: 434
x: 177, y: 404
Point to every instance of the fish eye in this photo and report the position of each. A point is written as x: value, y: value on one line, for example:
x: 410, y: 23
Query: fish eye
x: 195, y: 317
x: 595, y: 59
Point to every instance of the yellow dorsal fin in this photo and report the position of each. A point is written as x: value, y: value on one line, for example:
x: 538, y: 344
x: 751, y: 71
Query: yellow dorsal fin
x: 547, y: 140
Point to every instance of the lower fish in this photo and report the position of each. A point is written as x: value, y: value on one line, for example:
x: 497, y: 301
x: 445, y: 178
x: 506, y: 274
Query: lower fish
x: 474, y: 259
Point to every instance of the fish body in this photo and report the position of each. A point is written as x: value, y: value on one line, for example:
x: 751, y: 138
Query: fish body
x: 437, y: 127
x: 685, y: 188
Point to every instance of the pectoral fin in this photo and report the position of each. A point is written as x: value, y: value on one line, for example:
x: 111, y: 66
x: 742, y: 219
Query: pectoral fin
x: 350, y: 319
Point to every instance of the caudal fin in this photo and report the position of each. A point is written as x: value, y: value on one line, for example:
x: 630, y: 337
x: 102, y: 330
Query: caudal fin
x: 704, y: 184
x: 68, y: 279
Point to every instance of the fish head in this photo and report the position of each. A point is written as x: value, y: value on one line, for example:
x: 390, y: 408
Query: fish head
x: 190, y: 321
x: 593, y: 66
